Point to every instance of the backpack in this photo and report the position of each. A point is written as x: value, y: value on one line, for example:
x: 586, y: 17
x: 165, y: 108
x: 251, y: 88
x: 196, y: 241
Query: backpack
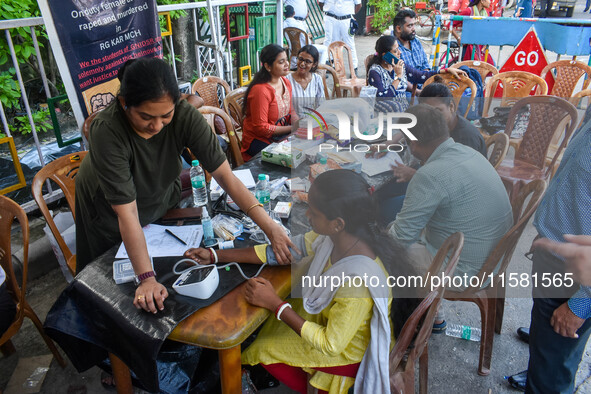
x: 476, y: 108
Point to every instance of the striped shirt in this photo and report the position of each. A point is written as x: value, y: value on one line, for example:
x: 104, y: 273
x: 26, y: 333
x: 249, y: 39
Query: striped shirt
x: 311, y: 97
x: 456, y: 190
x: 566, y: 206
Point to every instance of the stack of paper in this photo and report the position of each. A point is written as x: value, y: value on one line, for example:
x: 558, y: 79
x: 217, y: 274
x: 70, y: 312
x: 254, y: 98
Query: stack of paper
x: 161, y: 244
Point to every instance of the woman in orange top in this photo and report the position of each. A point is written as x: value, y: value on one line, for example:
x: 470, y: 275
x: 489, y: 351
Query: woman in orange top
x: 267, y: 105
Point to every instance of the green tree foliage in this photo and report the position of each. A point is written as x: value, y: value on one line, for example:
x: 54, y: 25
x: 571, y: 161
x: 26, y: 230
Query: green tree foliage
x: 21, y: 37
x: 9, y: 91
x: 385, y: 10
x: 22, y: 126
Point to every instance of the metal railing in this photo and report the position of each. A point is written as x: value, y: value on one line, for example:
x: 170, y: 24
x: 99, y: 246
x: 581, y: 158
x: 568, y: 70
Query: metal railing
x: 223, y: 64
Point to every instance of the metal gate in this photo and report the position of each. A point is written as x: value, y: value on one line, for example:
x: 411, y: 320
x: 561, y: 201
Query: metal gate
x: 315, y: 19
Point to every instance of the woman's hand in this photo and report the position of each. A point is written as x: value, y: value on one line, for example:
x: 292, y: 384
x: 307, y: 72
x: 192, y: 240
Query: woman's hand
x: 280, y: 243
x: 200, y: 255
x: 399, y: 68
x: 403, y: 173
x: 150, y: 295
x: 457, y: 73
x: 260, y: 292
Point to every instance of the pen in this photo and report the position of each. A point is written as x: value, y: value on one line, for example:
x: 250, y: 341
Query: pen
x: 167, y: 231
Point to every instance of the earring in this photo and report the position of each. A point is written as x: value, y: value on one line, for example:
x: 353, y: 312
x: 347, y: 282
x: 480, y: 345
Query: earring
x: 125, y: 107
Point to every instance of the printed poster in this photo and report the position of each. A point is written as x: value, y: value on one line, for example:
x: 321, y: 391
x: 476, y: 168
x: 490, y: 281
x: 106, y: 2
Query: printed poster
x: 97, y: 38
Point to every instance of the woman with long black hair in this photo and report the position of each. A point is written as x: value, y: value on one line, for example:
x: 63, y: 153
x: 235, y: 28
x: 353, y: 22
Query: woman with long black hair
x: 130, y: 176
x: 391, y: 77
x: 267, y: 103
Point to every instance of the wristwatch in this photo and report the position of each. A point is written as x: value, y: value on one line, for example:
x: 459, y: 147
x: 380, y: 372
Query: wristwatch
x: 141, y: 277
x: 396, y: 78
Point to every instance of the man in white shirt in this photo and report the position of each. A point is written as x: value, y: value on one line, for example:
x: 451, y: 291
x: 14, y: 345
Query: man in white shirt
x: 300, y: 7
x: 291, y: 21
x: 337, y: 21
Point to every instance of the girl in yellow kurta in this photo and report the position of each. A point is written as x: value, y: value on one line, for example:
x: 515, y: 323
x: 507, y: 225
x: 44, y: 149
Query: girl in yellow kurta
x: 338, y: 330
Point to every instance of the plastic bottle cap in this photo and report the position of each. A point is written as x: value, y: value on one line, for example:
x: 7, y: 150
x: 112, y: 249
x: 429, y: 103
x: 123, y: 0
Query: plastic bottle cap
x: 195, y: 163
x: 262, y: 177
x: 227, y: 268
x: 322, y: 160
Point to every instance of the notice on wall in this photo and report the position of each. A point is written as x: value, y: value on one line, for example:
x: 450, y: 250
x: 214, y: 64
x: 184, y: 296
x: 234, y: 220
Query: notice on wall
x: 94, y: 38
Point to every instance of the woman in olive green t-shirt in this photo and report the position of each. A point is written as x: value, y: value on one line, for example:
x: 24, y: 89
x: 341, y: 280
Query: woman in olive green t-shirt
x: 131, y: 175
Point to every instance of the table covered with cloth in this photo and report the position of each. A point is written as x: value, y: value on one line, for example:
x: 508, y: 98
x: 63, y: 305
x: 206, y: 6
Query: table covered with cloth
x: 94, y: 316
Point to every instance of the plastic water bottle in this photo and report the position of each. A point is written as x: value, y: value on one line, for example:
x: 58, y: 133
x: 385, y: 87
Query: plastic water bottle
x: 464, y: 332
x: 262, y: 192
x: 207, y: 226
x: 323, y: 166
x: 198, y: 184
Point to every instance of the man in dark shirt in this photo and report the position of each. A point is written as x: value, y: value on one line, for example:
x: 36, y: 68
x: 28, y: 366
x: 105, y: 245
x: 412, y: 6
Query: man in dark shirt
x: 461, y: 130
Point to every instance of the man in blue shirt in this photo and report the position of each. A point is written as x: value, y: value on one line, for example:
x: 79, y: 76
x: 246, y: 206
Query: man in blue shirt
x: 560, y: 318
x: 411, y: 50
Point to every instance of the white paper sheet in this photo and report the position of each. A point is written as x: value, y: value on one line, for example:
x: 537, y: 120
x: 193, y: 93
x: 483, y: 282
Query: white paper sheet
x: 161, y: 244
x: 377, y: 166
x: 245, y: 177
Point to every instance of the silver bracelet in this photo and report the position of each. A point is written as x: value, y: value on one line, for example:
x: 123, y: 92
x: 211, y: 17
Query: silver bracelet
x: 215, y: 255
x: 280, y: 311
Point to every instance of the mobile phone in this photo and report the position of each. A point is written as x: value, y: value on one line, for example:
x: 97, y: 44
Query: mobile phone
x: 390, y: 58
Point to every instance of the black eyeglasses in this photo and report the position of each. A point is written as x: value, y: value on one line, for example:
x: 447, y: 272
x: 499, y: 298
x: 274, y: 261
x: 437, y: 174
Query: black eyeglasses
x: 307, y: 61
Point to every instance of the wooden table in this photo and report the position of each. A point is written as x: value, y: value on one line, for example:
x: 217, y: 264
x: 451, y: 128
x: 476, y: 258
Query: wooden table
x: 223, y: 325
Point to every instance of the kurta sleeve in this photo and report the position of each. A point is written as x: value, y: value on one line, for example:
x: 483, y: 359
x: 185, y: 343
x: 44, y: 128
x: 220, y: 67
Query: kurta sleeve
x: 319, y: 90
x: 259, y: 101
x: 345, y: 317
x: 418, y: 76
x: 376, y: 81
x: 465, y: 12
x: 302, y: 241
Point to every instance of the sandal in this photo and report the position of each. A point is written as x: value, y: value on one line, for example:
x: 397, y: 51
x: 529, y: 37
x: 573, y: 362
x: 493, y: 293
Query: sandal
x: 518, y: 381
x: 439, y: 328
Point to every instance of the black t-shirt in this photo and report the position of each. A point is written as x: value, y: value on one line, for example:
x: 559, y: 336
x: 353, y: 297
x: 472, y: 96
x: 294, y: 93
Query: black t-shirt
x: 122, y: 167
x: 467, y: 134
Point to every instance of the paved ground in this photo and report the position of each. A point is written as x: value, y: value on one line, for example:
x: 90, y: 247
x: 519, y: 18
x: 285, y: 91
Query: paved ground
x: 453, y: 362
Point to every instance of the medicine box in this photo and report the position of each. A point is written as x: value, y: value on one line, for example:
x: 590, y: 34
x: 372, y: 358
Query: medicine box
x: 282, y: 209
x: 317, y: 134
x: 123, y: 271
x: 283, y: 154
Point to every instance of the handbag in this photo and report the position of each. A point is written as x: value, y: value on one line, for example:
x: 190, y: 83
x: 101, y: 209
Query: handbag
x: 353, y: 27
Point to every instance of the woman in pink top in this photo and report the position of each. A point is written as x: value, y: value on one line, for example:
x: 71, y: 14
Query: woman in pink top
x: 267, y: 105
